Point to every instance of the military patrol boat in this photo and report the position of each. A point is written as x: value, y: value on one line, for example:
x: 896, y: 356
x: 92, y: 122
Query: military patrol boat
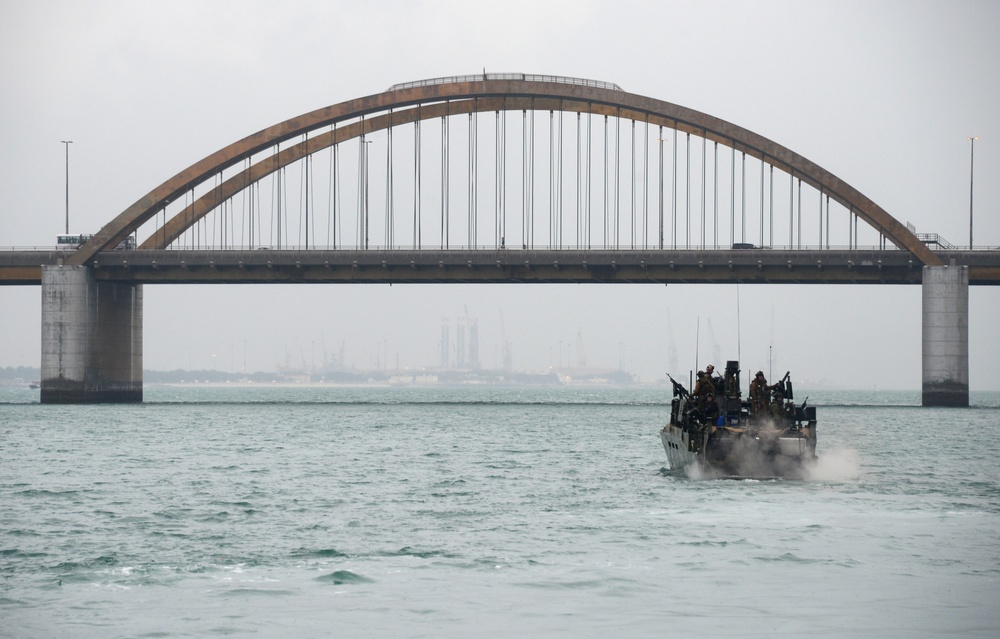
x: 714, y: 432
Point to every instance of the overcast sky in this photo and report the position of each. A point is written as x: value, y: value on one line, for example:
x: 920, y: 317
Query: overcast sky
x: 882, y: 94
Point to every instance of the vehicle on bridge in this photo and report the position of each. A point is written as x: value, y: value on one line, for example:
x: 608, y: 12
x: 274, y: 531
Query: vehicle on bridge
x: 715, y: 433
x: 74, y: 241
x: 79, y: 239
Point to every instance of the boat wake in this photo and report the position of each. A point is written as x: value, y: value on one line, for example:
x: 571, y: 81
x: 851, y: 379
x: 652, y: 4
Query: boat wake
x: 838, y: 464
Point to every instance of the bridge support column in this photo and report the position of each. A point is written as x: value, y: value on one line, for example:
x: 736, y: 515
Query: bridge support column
x: 946, y: 336
x: 91, y: 338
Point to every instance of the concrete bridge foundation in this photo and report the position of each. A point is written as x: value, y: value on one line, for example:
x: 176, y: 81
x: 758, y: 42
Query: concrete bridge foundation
x: 946, y: 336
x: 91, y: 338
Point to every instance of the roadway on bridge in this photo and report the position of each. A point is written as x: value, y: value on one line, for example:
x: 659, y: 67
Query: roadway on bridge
x: 503, y: 265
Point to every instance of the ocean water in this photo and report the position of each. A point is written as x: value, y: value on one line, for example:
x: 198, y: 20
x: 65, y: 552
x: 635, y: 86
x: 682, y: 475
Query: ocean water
x: 478, y: 512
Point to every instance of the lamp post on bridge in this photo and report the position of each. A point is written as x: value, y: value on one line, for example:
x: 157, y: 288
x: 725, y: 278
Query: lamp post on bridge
x: 972, y: 166
x: 67, y: 143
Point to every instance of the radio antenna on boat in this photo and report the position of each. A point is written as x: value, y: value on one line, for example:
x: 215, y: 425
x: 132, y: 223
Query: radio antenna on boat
x: 739, y: 353
x: 697, y: 341
x: 770, y: 348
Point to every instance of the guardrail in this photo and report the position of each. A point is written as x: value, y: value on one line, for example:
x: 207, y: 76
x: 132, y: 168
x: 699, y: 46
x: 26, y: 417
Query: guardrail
x: 526, y: 77
x: 63, y: 249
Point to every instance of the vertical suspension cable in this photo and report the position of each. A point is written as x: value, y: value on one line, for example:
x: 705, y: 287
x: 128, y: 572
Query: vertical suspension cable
x: 531, y: 180
x: 279, y: 178
x: 246, y: 210
x: 827, y: 221
x: 579, y: 195
x: 800, y: 214
x: 687, y: 190
x: 552, y: 174
x: 471, y: 191
x: 445, y: 191
x: 659, y: 140
x: 715, y: 195
x: 673, y: 192
x: 645, y: 186
x: 632, y: 175
x: 338, y: 209
x: 850, y: 226
x: 329, y: 188
x: 416, y: 181
x: 605, y: 192
x: 770, y: 202
x: 254, y: 214
x: 308, y: 166
x: 503, y: 179
x: 743, y: 196
x: 559, y: 191
x: 359, y: 226
x: 249, y: 206
x: 732, y: 200
x: 390, y: 213
x: 590, y: 156
x: 618, y: 137
x: 820, y: 229
x: 791, y: 210
x: 704, y: 185
x: 497, y: 181
x: 524, y: 178
x: 762, y: 201
x: 365, y: 152
x: 475, y: 178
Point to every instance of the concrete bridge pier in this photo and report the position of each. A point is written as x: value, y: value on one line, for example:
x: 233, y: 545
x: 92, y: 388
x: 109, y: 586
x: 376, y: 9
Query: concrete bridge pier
x: 91, y: 338
x: 946, y: 336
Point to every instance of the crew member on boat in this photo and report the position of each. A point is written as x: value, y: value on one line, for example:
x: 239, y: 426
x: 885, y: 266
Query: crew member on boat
x: 711, y: 410
x: 760, y: 392
x: 704, y: 385
x: 777, y: 406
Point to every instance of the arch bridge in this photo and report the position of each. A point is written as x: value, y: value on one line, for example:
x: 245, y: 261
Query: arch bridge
x: 482, y: 178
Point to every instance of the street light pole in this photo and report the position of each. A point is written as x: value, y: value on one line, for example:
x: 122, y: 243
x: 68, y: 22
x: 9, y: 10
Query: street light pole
x: 972, y: 166
x: 67, y: 143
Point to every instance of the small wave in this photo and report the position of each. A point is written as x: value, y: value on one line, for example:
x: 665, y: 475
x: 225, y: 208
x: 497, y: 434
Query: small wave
x: 791, y: 557
x: 339, y: 577
x: 407, y: 551
x: 42, y: 492
x: 17, y: 552
x: 257, y: 592
x: 322, y: 553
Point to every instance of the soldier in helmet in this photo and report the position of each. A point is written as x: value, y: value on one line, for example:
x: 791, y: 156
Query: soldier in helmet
x: 704, y: 385
x: 760, y: 392
x: 777, y: 405
x: 711, y: 410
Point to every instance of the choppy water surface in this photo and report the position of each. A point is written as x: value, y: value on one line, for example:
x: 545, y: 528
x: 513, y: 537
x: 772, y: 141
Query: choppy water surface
x: 482, y: 512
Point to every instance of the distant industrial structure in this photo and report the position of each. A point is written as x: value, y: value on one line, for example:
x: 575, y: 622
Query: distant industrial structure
x: 466, y: 344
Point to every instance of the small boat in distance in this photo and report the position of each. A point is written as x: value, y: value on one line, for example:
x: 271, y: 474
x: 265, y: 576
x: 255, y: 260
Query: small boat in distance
x: 34, y: 385
x: 714, y: 433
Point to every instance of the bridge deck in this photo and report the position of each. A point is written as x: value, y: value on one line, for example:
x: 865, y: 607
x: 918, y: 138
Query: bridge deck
x: 506, y: 265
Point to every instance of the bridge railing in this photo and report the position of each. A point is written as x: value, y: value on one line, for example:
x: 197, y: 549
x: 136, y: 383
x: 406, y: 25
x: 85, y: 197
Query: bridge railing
x: 526, y: 77
x: 564, y: 247
x: 62, y: 250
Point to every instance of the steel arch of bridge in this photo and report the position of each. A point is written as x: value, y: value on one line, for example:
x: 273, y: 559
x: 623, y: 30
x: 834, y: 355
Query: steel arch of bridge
x: 426, y: 100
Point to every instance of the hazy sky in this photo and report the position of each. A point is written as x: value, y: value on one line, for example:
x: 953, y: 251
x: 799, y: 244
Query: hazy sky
x: 883, y: 94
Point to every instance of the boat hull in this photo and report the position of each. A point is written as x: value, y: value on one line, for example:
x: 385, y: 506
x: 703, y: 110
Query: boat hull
x: 738, y: 453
